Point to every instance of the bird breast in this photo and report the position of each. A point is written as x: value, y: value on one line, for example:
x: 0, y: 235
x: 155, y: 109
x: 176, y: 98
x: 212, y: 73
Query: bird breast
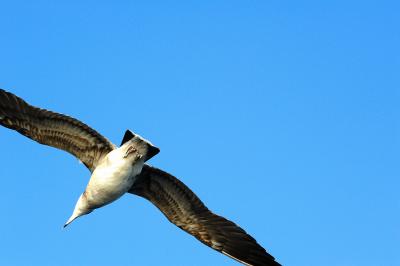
x: 110, y: 181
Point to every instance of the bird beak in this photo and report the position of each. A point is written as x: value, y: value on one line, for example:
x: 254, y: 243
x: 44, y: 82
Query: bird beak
x: 70, y: 220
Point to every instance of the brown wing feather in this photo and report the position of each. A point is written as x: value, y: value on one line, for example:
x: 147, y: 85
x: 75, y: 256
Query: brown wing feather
x: 183, y: 208
x: 53, y: 129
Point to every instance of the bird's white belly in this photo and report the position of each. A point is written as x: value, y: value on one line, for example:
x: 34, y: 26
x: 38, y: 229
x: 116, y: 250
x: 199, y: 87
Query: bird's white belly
x: 109, y: 183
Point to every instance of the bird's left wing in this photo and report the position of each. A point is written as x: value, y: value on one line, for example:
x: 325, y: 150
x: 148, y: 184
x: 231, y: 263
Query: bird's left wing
x: 53, y: 129
x: 183, y: 208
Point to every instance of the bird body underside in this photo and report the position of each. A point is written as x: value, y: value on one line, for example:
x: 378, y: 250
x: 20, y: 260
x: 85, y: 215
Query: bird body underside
x: 116, y: 171
x: 108, y: 183
x: 113, y: 176
x: 104, y: 188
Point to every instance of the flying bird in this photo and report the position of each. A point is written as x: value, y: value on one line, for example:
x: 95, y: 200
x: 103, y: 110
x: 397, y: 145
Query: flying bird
x: 118, y: 170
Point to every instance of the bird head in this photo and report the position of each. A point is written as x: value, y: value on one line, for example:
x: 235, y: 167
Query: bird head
x: 81, y: 208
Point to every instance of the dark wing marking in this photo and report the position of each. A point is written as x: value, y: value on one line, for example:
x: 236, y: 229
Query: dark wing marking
x: 53, y: 129
x: 183, y: 208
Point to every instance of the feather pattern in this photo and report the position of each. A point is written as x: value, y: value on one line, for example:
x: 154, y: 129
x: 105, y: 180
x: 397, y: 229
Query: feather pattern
x: 53, y: 129
x: 184, y: 209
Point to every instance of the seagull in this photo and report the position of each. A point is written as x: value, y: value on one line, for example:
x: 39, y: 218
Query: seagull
x: 119, y: 170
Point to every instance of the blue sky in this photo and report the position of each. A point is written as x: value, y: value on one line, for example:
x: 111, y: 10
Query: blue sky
x: 281, y: 116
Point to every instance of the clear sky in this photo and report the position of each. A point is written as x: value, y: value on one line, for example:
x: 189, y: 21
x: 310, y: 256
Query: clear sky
x: 281, y: 116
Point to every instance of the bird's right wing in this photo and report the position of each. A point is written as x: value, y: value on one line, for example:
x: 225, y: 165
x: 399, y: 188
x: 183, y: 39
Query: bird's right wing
x: 183, y: 208
x: 53, y: 129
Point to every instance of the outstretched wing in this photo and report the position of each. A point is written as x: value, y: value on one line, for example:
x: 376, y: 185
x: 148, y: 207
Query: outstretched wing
x: 183, y: 208
x: 53, y: 129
